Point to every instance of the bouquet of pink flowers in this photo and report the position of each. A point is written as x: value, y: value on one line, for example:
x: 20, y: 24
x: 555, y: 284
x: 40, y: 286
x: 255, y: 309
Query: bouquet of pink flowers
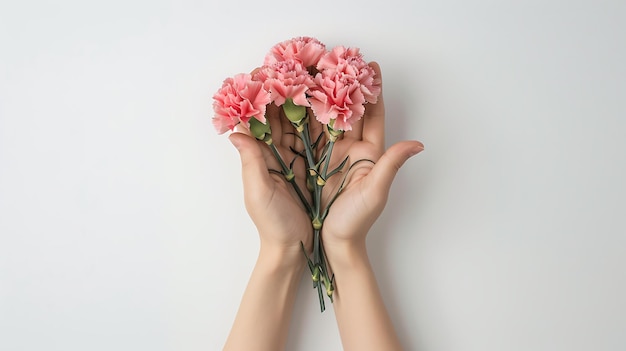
x: 304, y: 80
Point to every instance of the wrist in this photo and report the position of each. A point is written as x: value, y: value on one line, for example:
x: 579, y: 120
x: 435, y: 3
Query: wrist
x: 346, y: 255
x: 281, y: 258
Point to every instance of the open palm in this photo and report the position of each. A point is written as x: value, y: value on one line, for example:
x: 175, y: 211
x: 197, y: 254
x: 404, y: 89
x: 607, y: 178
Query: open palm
x: 275, y: 208
x: 368, y: 175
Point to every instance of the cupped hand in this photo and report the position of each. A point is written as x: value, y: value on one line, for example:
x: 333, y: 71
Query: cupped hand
x: 367, y: 184
x: 272, y: 203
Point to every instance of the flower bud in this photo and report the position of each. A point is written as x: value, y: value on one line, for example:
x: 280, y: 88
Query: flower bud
x: 295, y: 113
x: 260, y: 130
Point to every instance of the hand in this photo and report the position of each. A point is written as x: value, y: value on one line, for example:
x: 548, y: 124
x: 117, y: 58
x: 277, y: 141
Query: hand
x: 367, y: 187
x: 283, y: 224
x: 363, y: 321
x: 273, y: 205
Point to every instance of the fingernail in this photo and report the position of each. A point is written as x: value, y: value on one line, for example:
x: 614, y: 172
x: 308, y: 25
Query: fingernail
x: 416, y: 150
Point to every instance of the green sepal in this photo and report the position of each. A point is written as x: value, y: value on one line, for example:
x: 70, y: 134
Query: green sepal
x: 294, y: 113
x: 260, y: 130
x: 334, y: 133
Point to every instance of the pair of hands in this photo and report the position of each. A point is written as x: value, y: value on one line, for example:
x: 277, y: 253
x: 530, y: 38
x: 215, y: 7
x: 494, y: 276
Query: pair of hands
x: 277, y: 211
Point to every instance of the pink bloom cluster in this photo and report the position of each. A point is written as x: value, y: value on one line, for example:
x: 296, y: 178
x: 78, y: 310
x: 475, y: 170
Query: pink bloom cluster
x: 334, y: 84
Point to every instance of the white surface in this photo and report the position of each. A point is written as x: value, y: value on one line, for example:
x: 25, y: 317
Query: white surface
x: 122, y: 225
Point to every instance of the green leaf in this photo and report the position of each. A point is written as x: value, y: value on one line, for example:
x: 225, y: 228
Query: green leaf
x: 339, y: 168
x: 308, y: 260
x: 317, y: 141
x: 320, y: 294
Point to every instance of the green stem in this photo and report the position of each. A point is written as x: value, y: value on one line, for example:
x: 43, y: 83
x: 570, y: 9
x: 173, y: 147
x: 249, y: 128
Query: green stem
x: 283, y: 165
x: 317, y: 193
x: 306, y: 139
x: 324, y: 261
x: 316, y: 243
x: 318, y: 259
x: 328, y: 281
x: 288, y: 173
x: 327, y: 161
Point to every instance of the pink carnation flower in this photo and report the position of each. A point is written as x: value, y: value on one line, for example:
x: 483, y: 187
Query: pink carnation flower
x: 239, y: 99
x: 349, y: 61
x: 338, y: 56
x: 337, y: 100
x: 306, y: 50
x: 286, y: 80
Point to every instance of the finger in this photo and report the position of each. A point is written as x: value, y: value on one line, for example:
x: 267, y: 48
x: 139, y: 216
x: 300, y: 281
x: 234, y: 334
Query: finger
x: 385, y: 170
x: 253, y: 165
x: 239, y: 128
x: 287, y: 131
x: 272, y: 115
x: 315, y: 130
x: 374, y: 118
x: 269, y: 158
x: 356, y: 133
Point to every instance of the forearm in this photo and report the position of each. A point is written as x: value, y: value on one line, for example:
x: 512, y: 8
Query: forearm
x: 362, y: 317
x: 262, y: 321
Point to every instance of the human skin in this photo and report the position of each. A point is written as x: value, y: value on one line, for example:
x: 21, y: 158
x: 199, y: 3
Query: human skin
x: 263, y: 318
x: 363, y: 320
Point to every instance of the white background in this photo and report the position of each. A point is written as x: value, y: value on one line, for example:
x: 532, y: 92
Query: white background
x: 122, y: 225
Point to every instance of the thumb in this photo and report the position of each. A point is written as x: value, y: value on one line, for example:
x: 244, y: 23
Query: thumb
x: 385, y: 170
x: 253, y: 167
